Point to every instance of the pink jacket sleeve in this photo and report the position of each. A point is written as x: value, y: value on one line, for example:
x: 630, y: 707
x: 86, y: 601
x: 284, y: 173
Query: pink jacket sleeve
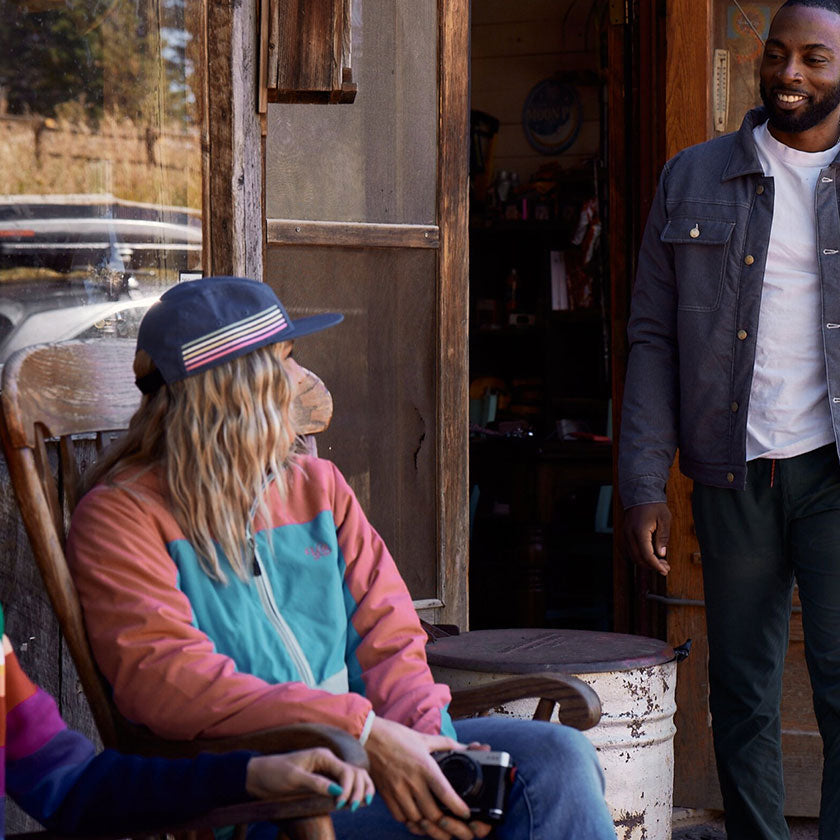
x: 391, y: 646
x: 165, y: 672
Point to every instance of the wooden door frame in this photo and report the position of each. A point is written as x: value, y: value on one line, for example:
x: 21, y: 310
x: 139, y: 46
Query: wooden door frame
x: 450, y: 238
x: 688, y: 121
x: 453, y: 311
x: 636, y: 85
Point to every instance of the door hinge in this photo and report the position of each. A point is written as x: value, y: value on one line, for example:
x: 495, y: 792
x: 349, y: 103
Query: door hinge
x: 620, y: 12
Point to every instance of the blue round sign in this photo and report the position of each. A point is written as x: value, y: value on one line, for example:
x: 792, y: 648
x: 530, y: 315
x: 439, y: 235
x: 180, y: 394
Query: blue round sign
x: 551, y: 116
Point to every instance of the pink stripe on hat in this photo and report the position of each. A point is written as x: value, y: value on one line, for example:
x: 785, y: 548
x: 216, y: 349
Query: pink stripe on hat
x: 232, y: 333
x: 231, y: 347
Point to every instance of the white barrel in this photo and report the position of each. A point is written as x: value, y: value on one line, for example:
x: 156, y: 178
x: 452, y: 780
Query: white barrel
x: 634, y: 738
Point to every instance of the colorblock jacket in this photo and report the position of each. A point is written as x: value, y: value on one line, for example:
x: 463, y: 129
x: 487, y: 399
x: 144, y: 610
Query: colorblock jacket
x: 694, y: 314
x: 324, y: 631
x: 54, y: 775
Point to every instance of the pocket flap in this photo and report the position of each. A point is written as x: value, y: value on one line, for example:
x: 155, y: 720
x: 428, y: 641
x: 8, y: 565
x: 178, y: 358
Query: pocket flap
x: 689, y: 231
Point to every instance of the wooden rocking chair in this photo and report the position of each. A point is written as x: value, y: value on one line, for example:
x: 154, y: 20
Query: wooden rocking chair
x: 86, y: 389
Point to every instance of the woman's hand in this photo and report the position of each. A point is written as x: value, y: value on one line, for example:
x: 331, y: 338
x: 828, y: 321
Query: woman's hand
x: 315, y: 770
x: 413, y: 786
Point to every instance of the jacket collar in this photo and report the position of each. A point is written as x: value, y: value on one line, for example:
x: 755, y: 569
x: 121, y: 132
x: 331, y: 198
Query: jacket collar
x: 743, y: 159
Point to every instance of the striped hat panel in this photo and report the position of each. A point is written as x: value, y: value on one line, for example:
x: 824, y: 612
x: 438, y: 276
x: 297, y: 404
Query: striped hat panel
x: 228, y: 340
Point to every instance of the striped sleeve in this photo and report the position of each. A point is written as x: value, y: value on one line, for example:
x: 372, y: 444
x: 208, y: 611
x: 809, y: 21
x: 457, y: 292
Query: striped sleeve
x: 43, y: 759
x: 53, y: 773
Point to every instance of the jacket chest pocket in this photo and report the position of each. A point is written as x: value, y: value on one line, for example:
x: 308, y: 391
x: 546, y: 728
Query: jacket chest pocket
x: 700, y: 248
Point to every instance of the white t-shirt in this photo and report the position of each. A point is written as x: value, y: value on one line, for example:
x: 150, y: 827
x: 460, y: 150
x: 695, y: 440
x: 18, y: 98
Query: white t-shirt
x: 789, y: 412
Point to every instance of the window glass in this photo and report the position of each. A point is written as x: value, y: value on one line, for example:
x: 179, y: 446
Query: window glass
x: 740, y: 31
x: 374, y: 160
x: 100, y: 162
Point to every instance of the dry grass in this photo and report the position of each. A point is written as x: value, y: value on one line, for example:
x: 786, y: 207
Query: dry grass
x: 133, y: 162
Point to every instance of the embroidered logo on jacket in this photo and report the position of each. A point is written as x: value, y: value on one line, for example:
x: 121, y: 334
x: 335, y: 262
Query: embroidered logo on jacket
x: 316, y: 552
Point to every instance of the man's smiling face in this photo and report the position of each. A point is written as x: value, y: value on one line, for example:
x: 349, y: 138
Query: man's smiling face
x: 800, y: 72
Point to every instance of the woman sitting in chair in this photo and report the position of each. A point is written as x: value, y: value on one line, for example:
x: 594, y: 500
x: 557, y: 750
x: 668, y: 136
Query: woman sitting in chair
x: 54, y: 774
x: 230, y: 583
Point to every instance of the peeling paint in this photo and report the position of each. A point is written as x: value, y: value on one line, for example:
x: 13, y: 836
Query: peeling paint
x: 636, y: 728
x: 634, y: 741
x: 629, y: 822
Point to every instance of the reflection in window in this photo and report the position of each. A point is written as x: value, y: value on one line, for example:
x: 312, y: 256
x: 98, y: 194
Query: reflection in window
x: 100, y: 162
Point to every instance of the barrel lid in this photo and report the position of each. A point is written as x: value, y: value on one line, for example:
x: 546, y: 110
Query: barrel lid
x: 533, y: 650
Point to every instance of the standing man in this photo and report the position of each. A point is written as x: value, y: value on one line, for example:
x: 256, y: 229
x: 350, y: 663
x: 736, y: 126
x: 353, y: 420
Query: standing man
x: 735, y: 360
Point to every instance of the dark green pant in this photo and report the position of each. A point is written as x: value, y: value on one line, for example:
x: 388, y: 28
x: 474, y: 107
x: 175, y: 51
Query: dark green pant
x: 785, y: 525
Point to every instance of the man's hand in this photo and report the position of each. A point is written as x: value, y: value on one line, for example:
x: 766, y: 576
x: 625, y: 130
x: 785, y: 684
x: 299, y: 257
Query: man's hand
x: 647, y: 529
x: 413, y: 786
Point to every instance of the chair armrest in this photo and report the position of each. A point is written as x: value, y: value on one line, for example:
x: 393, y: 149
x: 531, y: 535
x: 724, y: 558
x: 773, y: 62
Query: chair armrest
x: 287, y: 808
x: 298, y: 736
x: 579, y: 705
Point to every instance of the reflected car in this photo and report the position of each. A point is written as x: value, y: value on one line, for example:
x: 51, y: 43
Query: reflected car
x: 22, y: 325
x: 96, y: 236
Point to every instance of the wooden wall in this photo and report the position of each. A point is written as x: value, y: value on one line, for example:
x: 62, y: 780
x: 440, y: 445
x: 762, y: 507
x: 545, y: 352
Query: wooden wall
x: 517, y: 45
x: 32, y: 628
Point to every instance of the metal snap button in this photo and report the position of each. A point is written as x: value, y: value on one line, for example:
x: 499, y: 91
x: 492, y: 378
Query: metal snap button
x: 749, y: 259
x: 760, y: 189
x: 694, y: 232
x: 730, y: 477
x: 734, y: 406
x: 742, y: 334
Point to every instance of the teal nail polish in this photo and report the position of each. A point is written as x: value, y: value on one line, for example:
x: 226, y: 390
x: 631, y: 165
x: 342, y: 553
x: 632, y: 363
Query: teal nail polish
x: 334, y: 789
x: 368, y: 798
x: 354, y: 805
x: 341, y: 803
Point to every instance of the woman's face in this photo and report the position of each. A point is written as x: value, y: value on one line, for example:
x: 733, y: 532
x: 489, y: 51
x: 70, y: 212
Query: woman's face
x: 311, y: 403
x: 297, y: 374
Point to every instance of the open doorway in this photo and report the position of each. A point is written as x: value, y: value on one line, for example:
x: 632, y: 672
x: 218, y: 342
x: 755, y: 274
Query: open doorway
x: 540, y: 317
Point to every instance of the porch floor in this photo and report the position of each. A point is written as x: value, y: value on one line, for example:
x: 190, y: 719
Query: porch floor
x: 708, y: 825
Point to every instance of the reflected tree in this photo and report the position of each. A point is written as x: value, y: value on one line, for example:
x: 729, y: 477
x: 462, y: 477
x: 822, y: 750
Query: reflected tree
x: 133, y: 59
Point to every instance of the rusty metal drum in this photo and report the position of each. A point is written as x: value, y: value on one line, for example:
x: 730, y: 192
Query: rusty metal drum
x: 635, y: 678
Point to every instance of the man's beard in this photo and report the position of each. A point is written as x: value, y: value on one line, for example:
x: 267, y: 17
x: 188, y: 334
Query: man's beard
x: 809, y: 116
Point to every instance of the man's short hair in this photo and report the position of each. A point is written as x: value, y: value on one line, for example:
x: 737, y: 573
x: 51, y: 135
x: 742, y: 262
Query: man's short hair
x: 831, y: 5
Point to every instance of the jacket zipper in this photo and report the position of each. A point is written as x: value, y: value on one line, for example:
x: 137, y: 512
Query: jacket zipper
x: 270, y: 608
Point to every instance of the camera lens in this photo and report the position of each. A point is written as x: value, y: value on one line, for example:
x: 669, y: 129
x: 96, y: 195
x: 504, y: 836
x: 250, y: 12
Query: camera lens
x: 463, y: 773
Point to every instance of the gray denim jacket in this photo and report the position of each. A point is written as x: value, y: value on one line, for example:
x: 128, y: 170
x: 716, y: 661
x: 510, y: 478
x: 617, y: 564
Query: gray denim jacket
x: 694, y: 314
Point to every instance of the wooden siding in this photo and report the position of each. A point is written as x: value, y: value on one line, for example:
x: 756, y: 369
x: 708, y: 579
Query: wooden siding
x: 517, y: 45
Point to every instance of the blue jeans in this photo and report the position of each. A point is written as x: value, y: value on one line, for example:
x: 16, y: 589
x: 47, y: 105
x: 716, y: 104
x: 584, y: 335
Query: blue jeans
x: 558, y: 793
x: 785, y: 525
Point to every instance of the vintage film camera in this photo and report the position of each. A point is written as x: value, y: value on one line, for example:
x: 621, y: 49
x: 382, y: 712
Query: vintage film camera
x: 481, y: 778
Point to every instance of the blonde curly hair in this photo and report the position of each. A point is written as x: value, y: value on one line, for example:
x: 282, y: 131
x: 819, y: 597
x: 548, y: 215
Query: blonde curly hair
x: 218, y: 437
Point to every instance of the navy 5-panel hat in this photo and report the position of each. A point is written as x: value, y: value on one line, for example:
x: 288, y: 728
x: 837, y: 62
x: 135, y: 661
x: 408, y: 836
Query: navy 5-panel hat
x: 199, y: 324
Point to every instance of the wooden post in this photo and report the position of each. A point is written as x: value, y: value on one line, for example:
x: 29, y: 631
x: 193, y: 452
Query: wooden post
x: 453, y: 311
x: 688, y: 121
x: 233, y: 212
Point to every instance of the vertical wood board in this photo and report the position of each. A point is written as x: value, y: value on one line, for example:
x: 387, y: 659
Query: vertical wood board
x: 234, y: 217
x: 453, y: 310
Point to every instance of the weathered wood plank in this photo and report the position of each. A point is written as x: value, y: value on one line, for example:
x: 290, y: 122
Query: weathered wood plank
x: 232, y: 211
x: 309, y: 52
x: 355, y: 234
x: 688, y: 73
x: 453, y: 311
